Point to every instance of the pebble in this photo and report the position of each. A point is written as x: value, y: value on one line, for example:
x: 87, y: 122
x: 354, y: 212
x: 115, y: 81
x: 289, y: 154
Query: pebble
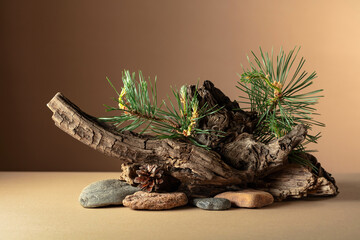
x: 155, y: 201
x: 212, y: 203
x: 105, y: 193
x: 248, y: 198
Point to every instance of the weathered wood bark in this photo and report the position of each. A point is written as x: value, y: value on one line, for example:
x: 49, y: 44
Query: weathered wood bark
x: 237, y: 147
x: 199, y: 172
x: 296, y: 181
x: 230, y: 119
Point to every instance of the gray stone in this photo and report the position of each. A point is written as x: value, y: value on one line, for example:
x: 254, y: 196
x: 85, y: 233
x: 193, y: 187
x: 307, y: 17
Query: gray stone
x: 105, y: 193
x: 212, y: 203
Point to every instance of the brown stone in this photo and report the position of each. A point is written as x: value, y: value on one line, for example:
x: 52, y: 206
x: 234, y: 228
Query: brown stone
x: 248, y: 198
x: 155, y: 201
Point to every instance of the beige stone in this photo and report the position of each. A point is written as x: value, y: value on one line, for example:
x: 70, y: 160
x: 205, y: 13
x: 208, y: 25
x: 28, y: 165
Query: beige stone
x: 155, y: 201
x: 248, y: 198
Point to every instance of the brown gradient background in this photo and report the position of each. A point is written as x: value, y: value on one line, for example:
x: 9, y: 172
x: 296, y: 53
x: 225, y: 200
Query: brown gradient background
x: 70, y: 46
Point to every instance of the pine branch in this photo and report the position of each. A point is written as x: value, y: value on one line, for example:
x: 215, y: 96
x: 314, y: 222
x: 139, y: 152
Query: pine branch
x: 281, y: 104
x: 137, y: 104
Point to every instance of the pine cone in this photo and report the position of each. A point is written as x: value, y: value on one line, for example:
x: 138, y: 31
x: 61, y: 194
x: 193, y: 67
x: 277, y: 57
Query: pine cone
x: 149, y: 177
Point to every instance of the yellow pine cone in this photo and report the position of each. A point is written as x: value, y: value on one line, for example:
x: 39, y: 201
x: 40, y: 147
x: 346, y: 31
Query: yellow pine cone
x: 121, y: 100
x: 277, y: 85
x: 192, y: 123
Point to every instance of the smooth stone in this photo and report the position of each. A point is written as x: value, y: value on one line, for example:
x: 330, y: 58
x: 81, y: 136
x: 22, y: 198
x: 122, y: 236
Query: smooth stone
x: 105, y: 193
x: 212, y: 203
x: 248, y: 198
x: 155, y: 201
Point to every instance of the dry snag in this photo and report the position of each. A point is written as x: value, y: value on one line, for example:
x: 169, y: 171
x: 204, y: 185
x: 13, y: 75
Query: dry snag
x: 235, y: 161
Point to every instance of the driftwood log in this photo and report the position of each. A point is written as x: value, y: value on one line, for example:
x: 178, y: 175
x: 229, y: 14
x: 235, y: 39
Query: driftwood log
x: 236, y: 161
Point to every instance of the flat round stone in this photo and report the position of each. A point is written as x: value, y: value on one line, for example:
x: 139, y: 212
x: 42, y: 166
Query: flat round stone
x: 155, y: 201
x: 248, y: 198
x: 212, y: 203
x: 105, y: 193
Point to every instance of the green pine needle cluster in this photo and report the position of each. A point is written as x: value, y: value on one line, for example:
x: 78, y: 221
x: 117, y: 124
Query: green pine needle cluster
x: 281, y: 100
x: 139, y: 109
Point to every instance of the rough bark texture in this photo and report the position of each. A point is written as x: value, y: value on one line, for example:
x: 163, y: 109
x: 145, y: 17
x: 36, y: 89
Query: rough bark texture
x: 237, y: 161
x: 295, y: 181
x: 229, y: 119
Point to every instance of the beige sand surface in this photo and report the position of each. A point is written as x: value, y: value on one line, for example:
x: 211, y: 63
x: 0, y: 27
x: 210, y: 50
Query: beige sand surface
x: 44, y: 205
